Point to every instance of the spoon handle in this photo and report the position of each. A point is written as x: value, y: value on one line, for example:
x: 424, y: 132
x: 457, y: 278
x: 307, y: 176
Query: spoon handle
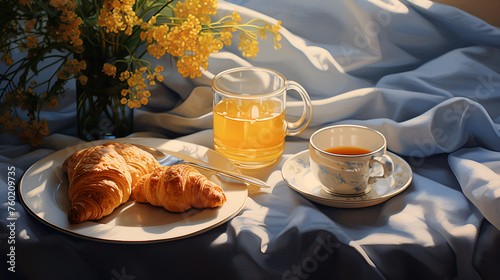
x: 234, y: 175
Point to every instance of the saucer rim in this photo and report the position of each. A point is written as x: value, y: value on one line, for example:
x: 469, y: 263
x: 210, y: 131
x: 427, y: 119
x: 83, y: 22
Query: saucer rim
x: 341, y: 202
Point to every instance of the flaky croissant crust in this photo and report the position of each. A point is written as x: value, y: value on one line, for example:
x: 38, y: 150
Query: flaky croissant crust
x: 178, y: 188
x: 99, y: 181
x: 139, y: 162
x: 101, y: 178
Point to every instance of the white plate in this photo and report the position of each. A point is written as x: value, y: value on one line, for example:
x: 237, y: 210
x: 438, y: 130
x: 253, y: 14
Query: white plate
x: 44, y: 191
x: 297, y: 173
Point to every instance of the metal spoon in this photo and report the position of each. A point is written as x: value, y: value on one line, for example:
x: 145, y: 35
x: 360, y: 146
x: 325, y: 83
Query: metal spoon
x: 168, y: 159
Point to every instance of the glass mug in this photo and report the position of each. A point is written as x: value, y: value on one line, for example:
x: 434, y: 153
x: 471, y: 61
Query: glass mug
x: 249, y: 115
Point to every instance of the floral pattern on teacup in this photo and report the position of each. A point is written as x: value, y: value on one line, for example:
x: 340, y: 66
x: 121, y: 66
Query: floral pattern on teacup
x: 354, y: 166
x: 345, y: 176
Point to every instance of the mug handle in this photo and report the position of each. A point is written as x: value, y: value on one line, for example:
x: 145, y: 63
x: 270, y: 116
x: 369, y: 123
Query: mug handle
x: 295, y: 128
x: 386, y: 162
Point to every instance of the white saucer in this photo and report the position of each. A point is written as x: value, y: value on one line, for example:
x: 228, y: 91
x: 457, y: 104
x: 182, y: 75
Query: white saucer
x: 297, y: 173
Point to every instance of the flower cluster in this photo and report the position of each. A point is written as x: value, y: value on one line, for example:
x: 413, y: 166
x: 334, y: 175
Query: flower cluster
x: 66, y: 35
x: 192, y: 37
x: 117, y: 16
x: 68, y: 28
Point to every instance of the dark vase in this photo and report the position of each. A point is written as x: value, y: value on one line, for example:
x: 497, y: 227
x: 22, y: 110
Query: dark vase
x: 100, y: 113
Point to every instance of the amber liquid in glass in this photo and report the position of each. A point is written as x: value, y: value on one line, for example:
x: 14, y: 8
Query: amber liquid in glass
x: 348, y: 150
x: 249, y: 131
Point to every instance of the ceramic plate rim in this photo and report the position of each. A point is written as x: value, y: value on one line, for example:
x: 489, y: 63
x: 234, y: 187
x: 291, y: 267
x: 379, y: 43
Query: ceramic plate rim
x: 341, y: 202
x: 238, y: 191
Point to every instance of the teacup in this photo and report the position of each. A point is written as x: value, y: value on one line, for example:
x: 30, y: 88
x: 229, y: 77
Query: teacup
x: 344, y: 157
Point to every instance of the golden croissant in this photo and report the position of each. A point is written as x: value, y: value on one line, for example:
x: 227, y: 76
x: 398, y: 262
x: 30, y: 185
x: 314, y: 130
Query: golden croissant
x: 139, y: 162
x: 101, y: 178
x: 178, y: 188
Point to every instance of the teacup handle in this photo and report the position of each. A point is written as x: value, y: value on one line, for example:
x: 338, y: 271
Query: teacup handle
x: 294, y: 128
x: 386, y: 162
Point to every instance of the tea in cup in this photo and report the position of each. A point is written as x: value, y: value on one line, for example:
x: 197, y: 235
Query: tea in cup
x: 249, y: 115
x: 344, y: 157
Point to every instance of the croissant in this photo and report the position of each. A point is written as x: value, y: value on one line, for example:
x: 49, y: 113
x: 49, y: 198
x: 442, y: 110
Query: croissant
x: 101, y: 178
x: 139, y: 162
x: 99, y: 181
x: 178, y: 188
x: 71, y: 162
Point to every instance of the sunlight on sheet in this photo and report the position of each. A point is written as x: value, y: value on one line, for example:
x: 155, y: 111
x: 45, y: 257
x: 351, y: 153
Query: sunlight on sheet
x: 319, y: 57
x: 393, y: 5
